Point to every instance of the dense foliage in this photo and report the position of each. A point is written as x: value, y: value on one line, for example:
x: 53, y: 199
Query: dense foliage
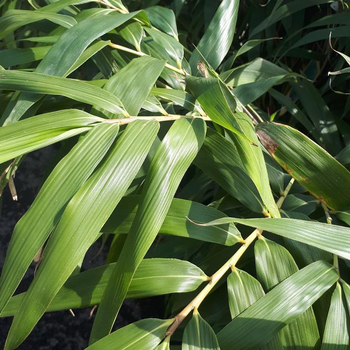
x: 209, y: 131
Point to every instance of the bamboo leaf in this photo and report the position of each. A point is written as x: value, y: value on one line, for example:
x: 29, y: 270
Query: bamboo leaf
x: 75, y: 89
x: 144, y: 334
x: 273, y: 265
x: 198, y: 334
x: 227, y: 170
x: 33, y: 229
x: 256, y: 326
x: 178, y: 97
x: 163, y: 19
x: 336, y: 333
x: 131, y: 91
x: 65, y: 52
x: 332, y: 238
x: 175, y: 222
x: 79, y: 226
x: 153, y: 277
x: 14, y: 57
x: 172, y: 159
x: 218, y: 37
x: 42, y: 130
x: 14, y: 19
x: 315, y: 169
x: 243, y: 291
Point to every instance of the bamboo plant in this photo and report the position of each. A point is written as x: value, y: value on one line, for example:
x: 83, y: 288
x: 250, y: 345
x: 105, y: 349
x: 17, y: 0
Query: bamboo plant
x: 209, y: 127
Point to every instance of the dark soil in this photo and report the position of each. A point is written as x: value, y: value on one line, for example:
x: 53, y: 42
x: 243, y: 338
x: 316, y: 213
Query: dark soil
x: 57, y: 330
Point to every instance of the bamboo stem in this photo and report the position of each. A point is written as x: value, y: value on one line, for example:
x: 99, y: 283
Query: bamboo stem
x: 170, y: 117
x: 195, y: 303
x: 139, y: 53
x: 329, y: 222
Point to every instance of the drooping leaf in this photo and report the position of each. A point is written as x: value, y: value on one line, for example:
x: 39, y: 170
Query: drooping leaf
x: 315, y: 169
x: 274, y: 264
x: 79, y: 226
x: 65, y: 52
x: 336, y: 333
x: 144, y: 334
x: 75, y: 89
x: 175, y: 222
x: 256, y: 326
x: 218, y: 37
x: 35, y: 226
x: 332, y: 238
x: 198, y: 334
x: 227, y: 170
x: 153, y: 277
x: 172, y: 159
x: 43, y: 130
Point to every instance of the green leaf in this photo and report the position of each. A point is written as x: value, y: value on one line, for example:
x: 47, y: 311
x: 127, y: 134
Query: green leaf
x: 14, y: 57
x: 71, y: 88
x: 33, y: 229
x: 253, y: 160
x: 66, y: 51
x: 336, y: 333
x: 178, y: 97
x: 132, y: 33
x: 320, y: 114
x: 216, y: 100
x: 257, y: 325
x: 284, y: 12
x: 153, y: 277
x: 332, y: 238
x: 79, y: 226
x: 243, y: 291
x: 163, y: 19
x: 273, y: 265
x: 198, y: 334
x: 175, y: 222
x: 14, y: 19
x: 144, y: 334
x: 42, y: 130
x: 227, y: 170
x: 218, y: 37
x: 130, y: 90
x: 315, y: 169
x: 172, y: 159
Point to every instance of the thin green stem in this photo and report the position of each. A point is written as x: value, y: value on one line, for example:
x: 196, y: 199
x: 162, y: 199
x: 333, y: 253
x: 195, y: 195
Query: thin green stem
x: 329, y: 222
x: 139, y: 53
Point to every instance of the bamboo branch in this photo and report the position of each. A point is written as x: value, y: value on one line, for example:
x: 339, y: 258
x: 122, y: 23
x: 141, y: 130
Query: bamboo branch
x: 195, y: 303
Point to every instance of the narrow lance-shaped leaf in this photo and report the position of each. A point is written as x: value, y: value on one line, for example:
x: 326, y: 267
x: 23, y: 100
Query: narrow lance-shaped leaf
x: 80, y: 226
x: 175, y: 222
x: 218, y: 37
x: 144, y: 334
x: 75, y: 89
x: 336, y: 333
x: 332, y: 238
x: 14, y: 19
x: 226, y: 169
x: 173, y: 157
x: 33, y: 229
x: 163, y: 19
x: 253, y: 160
x: 153, y: 277
x: 244, y: 290
x: 130, y: 90
x: 256, y: 326
x: 198, y: 334
x: 43, y: 130
x: 273, y: 265
x: 315, y: 169
x: 65, y: 52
